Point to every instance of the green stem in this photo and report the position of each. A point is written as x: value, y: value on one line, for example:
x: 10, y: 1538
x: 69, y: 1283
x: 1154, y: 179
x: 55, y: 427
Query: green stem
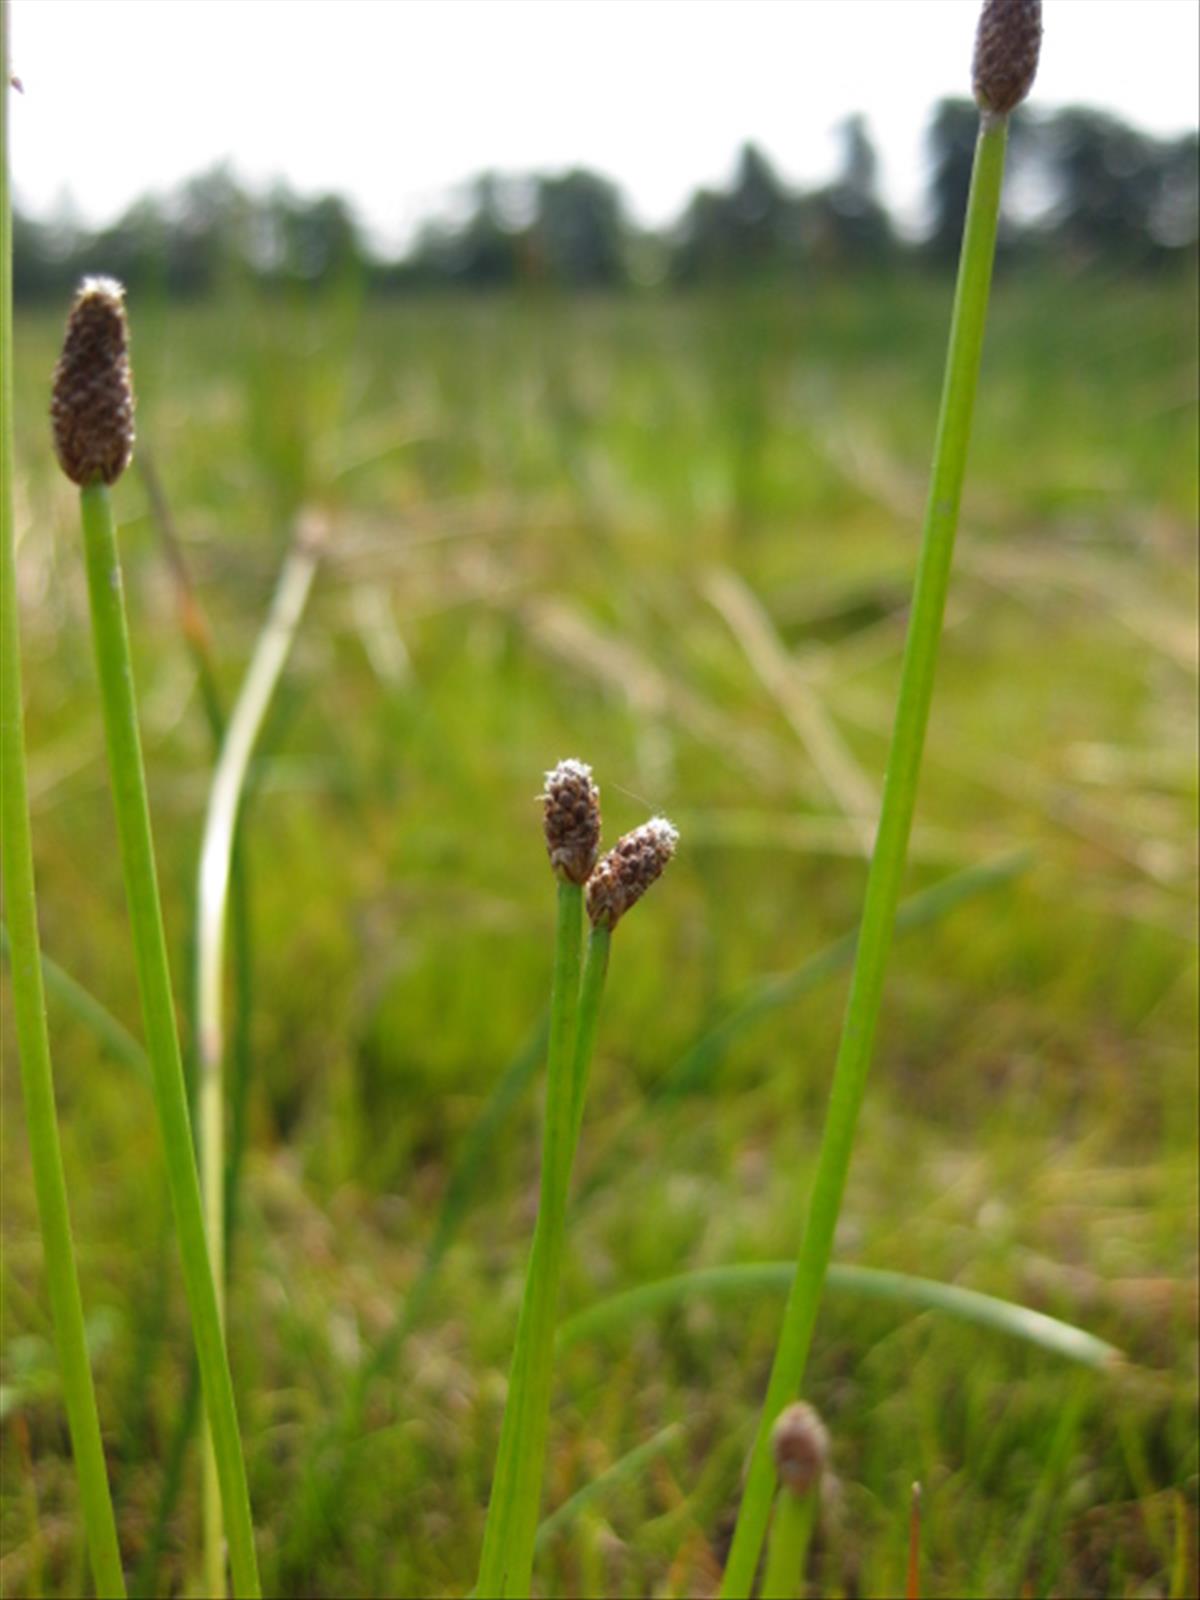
x: 591, y: 992
x: 787, y: 1548
x: 891, y: 847
x: 212, y: 902
x: 506, y: 1561
x: 29, y: 1000
x: 114, y: 668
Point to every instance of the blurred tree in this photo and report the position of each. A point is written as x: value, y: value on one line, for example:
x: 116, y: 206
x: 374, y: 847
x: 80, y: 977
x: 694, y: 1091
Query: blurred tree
x: 847, y: 225
x: 1087, y: 187
x: 1119, y: 194
x: 578, y: 232
x: 302, y: 239
x: 486, y: 253
x: 952, y: 153
x: 209, y: 238
x: 136, y: 248
x: 752, y: 229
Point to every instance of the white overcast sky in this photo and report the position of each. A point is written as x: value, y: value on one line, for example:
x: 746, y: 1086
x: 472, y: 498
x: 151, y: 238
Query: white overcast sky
x: 394, y: 102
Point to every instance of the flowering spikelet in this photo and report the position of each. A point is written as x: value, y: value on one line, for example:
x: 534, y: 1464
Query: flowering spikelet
x: 1006, y: 53
x: 571, y: 821
x: 800, y: 1442
x: 628, y: 870
x: 92, y: 403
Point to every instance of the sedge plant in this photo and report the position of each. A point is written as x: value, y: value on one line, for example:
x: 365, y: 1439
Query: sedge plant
x: 29, y: 1001
x: 571, y: 821
x: 92, y: 413
x: 1006, y: 55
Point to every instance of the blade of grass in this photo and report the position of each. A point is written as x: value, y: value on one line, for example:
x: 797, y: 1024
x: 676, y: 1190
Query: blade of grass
x: 141, y: 879
x: 212, y: 899
x: 622, y: 1471
x: 890, y: 855
x: 923, y: 1294
x: 111, y: 1033
x: 511, y: 1523
x: 693, y: 1071
x: 29, y: 1000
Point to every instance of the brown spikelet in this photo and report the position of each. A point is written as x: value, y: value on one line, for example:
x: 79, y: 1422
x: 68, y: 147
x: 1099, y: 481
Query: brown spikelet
x: 92, y: 403
x: 800, y: 1442
x: 1007, y: 46
x: 628, y: 870
x: 571, y: 821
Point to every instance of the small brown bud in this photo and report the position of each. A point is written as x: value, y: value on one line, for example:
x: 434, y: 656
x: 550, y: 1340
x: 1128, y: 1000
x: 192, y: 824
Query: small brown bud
x: 571, y: 821
x: 800, y: 1442
x: 628, y: 870
x: 1007, y: 45
x: 92, y: 402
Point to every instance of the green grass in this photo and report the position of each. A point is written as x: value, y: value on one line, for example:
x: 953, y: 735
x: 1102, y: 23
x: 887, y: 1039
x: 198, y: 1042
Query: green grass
x: 528, y: 503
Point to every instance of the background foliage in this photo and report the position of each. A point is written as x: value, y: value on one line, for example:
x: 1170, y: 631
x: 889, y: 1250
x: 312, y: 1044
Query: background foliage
x: 1087, y: 186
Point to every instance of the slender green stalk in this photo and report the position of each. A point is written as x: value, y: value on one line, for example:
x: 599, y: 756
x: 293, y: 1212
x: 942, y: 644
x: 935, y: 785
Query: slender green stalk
x: 212, y: 900
x: 198, y: 639
x: 787, y: 1548
x: 114, y: 669
x: 112, y: 1034
x: 29, y: 1001
x: 891, y: 848
x: 591, y: 992
x: 921, y: 1294
x: 598, y: 1488
x: 506, y: 1561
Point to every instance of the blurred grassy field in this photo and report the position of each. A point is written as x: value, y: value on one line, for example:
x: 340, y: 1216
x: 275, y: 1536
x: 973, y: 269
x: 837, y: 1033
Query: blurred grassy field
x: 674, y: 538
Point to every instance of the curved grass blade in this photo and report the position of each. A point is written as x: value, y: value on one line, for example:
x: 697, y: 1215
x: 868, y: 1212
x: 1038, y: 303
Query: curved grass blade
x: 694, y: 1070
x: 622, y: 1471
x: 212, y: 901
x: 776, y: 1277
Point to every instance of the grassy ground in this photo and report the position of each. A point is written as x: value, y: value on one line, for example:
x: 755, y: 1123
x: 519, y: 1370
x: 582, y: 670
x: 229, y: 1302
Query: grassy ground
x: 674, y: 539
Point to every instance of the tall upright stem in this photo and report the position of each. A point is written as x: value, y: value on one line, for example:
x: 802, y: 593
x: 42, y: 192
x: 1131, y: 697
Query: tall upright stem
x: 516, y: 1484
x: 115, y: 671
x: 29, y: 1002
x: 891, y: 847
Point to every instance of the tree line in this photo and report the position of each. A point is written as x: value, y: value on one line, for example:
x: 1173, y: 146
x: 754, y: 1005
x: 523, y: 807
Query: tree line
x: 1084, y: 186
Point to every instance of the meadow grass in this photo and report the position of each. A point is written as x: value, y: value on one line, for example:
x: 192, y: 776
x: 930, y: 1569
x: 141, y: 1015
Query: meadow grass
x: 504, y: 584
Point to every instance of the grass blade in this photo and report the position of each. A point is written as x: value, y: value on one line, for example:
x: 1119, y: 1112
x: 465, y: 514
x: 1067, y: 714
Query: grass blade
x: 513, y: 1507
x: 621, y: 1471
x: 212, y: 900
x: 694, y: 1070
x: 112, y: 1034
x: 920, y: 1294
